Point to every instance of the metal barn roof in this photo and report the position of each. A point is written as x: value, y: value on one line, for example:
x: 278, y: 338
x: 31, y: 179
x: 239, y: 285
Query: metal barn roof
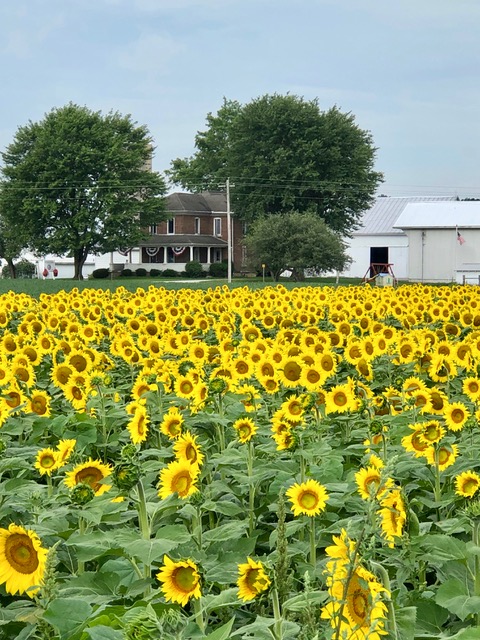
x: 381, y: 217
x: 446, y: 215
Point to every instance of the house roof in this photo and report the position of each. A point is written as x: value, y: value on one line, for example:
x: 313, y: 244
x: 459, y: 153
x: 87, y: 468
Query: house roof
x: 382, y: 216
x: 195, y: 203
x: 183, y: 240
x: 448, y: 215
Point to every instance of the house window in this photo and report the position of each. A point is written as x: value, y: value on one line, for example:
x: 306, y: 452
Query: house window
x: 217, y: 253
x: 217, y: 226
x: 197, y: 226
x: 171, y: 226
x: 170, y: 255
x: 152, y: 229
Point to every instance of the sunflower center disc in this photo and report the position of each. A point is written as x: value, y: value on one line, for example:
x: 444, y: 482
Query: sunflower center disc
x: 20, y: 553
x: 185, y: 578
x: 308, y: 500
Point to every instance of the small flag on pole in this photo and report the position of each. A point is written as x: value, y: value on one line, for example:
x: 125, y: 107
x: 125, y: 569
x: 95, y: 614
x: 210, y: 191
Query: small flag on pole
x: 460, y: 238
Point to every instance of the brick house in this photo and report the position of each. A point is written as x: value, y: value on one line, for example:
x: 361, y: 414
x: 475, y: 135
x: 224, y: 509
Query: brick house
x: 197, y: 230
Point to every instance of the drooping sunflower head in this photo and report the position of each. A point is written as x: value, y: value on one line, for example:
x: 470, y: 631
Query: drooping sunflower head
x: 309, y: 498
x: 187, y: 449
x: 252, y: 580
x: 393, y: 515
x: 138, y: 425
x: 180, y: 580
x: 22, y: 560
x: 467, y: 484
x: 93, y: 473
x: 65, y: 449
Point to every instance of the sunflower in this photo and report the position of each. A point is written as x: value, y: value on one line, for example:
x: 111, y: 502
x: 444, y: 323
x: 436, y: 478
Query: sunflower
x: 431, y: 431
x: 245, y: 429
x: 65, y: 449
x: 467, y: 484
x: 393, y: 515
x: 445, y: 455
x: 471, y: 388
x: 178, y: 477
x: 22, y: 560
x: 456, y: 414
x: 312, y: 377
x: 180, y: 580
x: 46, y: 461
x: 416, y: 444
x: 340, y: 399
x: 171, y: 424
x: 91, y: 472
x: 39, y: 403
x: 309, y: 497
x: 252, y: 580
x: 184, y: 386
x: 439, y: 401
x: 370, y: 483
x: 138, y: 425
x: 293, y: 409
x: 355, y: 593
x: 187, y: 450
x: 61, y: 374
x: 290, y: 372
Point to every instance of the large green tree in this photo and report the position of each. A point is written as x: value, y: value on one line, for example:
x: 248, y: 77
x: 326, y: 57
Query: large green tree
x: 79, y: 182
x: 284, y: 153
x: 295, y: 241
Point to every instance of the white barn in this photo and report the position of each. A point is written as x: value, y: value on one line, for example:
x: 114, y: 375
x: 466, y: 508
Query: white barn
x: 380, y: 241
x: 443, y: 241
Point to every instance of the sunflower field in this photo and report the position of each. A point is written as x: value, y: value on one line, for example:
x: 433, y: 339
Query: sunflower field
x: 227, y: 463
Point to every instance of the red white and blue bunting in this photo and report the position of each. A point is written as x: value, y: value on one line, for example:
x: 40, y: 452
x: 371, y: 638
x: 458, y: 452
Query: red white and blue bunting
x: 177, y: 251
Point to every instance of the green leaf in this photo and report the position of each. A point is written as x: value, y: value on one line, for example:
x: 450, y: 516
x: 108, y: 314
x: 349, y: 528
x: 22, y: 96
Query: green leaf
x: 223, y: 633
x: 304, y: 600
x: 453, y: 595
x: 68, y: 616
x: 101, y: 632
x: 228, y: 531
x: 406, y: 618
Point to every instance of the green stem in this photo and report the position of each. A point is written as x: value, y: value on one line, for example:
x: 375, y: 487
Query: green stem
x: 438, y: 488
x: 197, y: 608
x: 313, y: 543
x: 197, y: 526
x: 144, y: 526
x: 278, y: 624
x: 476, y: 542
x: 81, y: 531
x: 251, y: 489
x: 49, y: 486
x: 142, y: 512
x: 392, y: 621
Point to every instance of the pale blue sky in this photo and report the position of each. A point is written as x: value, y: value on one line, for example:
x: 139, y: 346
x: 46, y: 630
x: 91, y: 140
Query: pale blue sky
x: 409, y: 70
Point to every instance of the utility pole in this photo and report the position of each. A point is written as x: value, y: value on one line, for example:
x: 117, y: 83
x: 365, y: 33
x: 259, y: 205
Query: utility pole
x: 229, y: 234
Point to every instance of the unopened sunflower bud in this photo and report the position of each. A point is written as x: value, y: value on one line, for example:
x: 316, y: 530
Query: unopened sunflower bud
x: 3, y: 448
x: 81, y: 494
x: 129, y: 452
x: 126, y: 475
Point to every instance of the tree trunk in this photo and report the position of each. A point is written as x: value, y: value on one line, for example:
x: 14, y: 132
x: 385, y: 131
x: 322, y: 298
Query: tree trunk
x: 12, y: 267
x: 79, y: 256
x: 298, y: 275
